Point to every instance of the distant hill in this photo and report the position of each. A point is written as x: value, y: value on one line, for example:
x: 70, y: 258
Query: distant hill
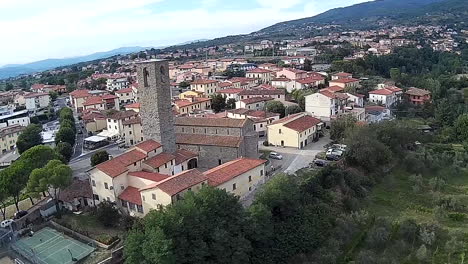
x: 18, y: 69
x: 359, y: 16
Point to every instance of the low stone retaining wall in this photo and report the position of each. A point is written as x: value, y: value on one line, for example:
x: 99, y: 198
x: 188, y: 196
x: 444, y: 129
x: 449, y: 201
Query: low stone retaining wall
x: 82, y: 237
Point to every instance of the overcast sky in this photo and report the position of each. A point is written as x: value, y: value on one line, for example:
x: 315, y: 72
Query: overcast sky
x: 39, y: 29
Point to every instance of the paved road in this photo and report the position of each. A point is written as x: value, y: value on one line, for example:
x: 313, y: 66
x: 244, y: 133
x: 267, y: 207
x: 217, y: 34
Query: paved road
x: 82, y: 163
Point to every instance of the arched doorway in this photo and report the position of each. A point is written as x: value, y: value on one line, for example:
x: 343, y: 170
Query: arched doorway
x: 192, y: 164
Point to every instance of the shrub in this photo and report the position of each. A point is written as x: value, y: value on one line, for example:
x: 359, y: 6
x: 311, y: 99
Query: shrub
x: 457, y: 217
x: 107, y: 214
x: 106, y: 239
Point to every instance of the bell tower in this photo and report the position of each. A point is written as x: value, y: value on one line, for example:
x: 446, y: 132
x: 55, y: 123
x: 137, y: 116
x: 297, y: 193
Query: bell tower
x: 154, y: 94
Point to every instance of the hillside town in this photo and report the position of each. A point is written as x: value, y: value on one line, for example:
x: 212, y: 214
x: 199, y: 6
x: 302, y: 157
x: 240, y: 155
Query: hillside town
x: 188, y: 145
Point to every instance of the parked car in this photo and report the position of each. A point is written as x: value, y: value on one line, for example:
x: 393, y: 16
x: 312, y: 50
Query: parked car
x: 333, y: 157
x: 321, y: 162
x: 20, y: 214
x: 274, y: 155
x: 335, y: 152
x: 341, y: 147
x: 6, y: 223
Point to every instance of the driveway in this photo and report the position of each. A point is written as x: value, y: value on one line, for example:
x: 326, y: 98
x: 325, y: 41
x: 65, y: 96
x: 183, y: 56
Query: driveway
x: 296, y: 159
x: 80, y: 165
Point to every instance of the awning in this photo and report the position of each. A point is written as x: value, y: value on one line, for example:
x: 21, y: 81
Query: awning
x: 107, y: 134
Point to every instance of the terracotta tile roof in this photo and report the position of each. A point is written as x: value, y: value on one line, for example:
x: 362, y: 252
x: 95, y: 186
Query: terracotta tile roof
x: 182, y: 155
x: 209, y: 122
x: 152, y: 176
x: 295, y: 70
x: 76, y: 189
x: 132, y: 121
x: 224, y: 84
x: 281, y: 79
x: 303, y: 123
x: 254, y: 100
x: 108, y: 96
x: 345, y: 80
x: 118, y: 165
x: 230, y: 91
x: 185, y: 102
x: 343, y: 74
x: 159, y: 160
x: 126, y: 90
x: 10, y: 130
x: 261, y: 114
x: 178, y: 183
x: 417, y: 92
x: 230, y: 170
x: 310, y: 80
x: 31, y: 95
x: 93, y: 100
x: 259, y: 70
x: 329, y: 94
x: 123, y: 115
x: 134, y: 105
x: 383, y: 91
x: 148, y: 145
x: 335, y: 89
x: 208, y: 140
x: 286, y: 119
x: 394, y: 89
x: 263, y: 92
x: 265, y: 86
x: 79, y: 93
x: 374, y: 108
x: 131, y: 194
x: 203, y: 81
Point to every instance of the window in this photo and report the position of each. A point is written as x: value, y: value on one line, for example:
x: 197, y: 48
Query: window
x: 145, y: 77
x: 189, y: 189
x: 123, y: 203
x: 96, y: 197
x: 261, y: 172
x: 111, y: 187
x: 93, y: 183
x: 165, y: 165
x: 250, y: 178
x: 122, y: 187
x: 234, y: 186
x: 279, y: 131
x: 131, y: 206
x: 153, y: 196
x: 220, y: 162
x: 140, y: 208
x: 250, y: 188
x: 203, y: 184
x: 106, y: 186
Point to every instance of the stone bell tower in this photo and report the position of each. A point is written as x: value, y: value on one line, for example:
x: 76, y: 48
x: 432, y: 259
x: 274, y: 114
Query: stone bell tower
x: 154, y: 93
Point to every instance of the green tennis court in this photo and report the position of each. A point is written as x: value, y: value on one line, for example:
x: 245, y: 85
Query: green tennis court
x: 48, y: 246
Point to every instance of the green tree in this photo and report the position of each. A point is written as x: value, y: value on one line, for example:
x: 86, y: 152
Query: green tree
x: 64, y: 149
x: 307, y: 65
x: 9, y: 86
x: 461, y: 128
x: 53, y: 95
x: 218, y: 102
x: 293, y: 109
x: 99, y: 157
x: 30, y: 137
x: 231, y: 103
x: 65, y: 134
x: 275, y: 107
x: 107, y: 214
x: 52, y: 178
x: 341, y: 126
x: 207, y: 226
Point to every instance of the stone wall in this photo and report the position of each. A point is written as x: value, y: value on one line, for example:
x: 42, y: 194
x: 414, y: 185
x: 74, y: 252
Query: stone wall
x: 201, y: 130
x: 209, y: 156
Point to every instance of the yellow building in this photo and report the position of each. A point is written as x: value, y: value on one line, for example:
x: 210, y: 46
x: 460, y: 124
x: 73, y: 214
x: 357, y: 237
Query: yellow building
x: 208, y: 87
x: 8, y: 137
x: 190, y: 93
x: 190, y: 104
x: 296, y: 131
x: 238, y: 177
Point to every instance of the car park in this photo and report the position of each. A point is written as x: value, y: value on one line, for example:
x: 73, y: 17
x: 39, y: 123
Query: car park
x: 341, y: 147
x: 274, y: 155
x: 333, y: 157
x: 335, y: 152
x: 321, y: 162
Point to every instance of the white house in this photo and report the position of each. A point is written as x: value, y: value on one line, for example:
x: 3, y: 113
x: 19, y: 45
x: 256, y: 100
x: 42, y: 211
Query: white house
x: 386, y: 96
x: 326, y: 105
x: 36, y: 101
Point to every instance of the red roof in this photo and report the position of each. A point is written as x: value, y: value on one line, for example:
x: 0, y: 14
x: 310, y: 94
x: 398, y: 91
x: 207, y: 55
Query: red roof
x: 134, y: 105
x: 152, y: 176
x: 343, y: 74
x: 159, y: 160
x: 281, y: 79
x: 203, y: 81
x: 182, y: 155
x: 93, y: 100
x: 335, y: 88
x: 118, y: 165
x: 259, y: 70
x: 224, y: 84
x: 256, y: 100
x: 383, y: 91
x: 79, y: 93
x: 180, y: 182
x: 310, y: 80
x: 131, y: 194
x: 231, y: 91
x: 303, y: 123
x: 232, y: 169
x: 327, y: 94
x: 345, y: 80
x: 126, y: 90
x: 148, y: 145
x: 185, y: 102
